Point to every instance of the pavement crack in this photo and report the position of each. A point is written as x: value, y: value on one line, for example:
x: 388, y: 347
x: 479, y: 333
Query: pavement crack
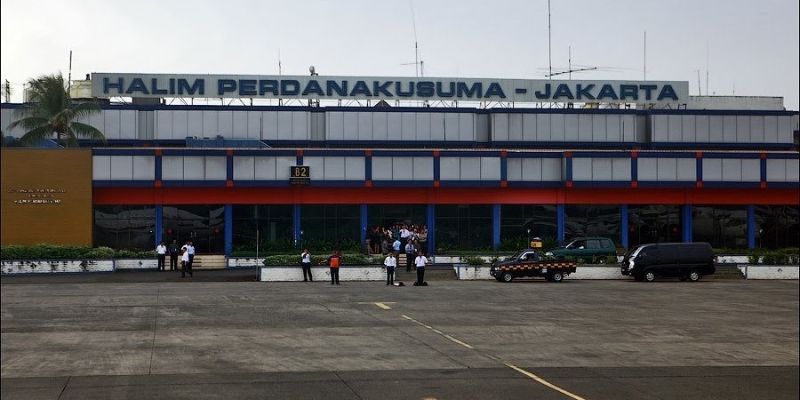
x: 155, y: 328
x: 64, y: 389
x: 348, y: 386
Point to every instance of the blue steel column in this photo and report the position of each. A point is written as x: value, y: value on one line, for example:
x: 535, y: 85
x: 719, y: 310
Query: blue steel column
x: 751, y: 227
x: 159, y: 223
x: 623, y: 225
x: 430, y: 217
x: 228, y: 230
x: 495, y: 226
x: 686, y: 222
x: 560, y: 222
x: 364, y: 226
x: 297, y: 232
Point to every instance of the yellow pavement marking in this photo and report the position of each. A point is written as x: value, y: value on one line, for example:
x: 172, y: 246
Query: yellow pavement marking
x: 458, y: 341
x: 383, y: 306
x: 438, y: 332
x: 544, y: 382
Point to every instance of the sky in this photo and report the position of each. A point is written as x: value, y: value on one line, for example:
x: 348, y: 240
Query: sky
x: 750, y: 48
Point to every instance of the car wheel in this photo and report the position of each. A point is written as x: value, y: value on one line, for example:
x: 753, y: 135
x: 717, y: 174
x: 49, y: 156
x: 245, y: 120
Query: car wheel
x: 601, y: 260
x: 507, y: 277
x: 556, y: 277
x: 649, y: 276
x: 693, y: 276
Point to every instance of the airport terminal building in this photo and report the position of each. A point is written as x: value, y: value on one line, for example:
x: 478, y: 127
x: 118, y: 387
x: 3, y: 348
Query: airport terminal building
x: 484, y: 163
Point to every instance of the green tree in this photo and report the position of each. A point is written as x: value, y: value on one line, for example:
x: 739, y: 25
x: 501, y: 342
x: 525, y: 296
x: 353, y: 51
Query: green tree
x: 51, y: 110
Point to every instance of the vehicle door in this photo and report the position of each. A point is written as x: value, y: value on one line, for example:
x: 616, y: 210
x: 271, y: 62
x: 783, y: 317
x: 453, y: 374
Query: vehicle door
x: 608, y: 247
x: 526, y: 260
x: 577, y: 248
x: 593, y: 248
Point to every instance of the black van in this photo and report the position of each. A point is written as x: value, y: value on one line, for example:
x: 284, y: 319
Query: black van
x: 688, y: 261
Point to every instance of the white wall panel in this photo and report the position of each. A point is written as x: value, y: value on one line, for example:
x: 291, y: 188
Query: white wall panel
x: 675, y: 133
x: 667, y: 169
x: 514, y: 169
x: 751, y: 170
x: 216, y: 168
x: 743, y: 129
x: 601, y: 169
x: 284, y: 126
x: 335, y: 123
x: 687, y: 169
x: 97, y: 120
x: 110, y: 127
x: 490, y: 167
x: 225, y: 124
x: 529, y: 127
x: 121, y: 168
x: 647, y: 169
x: 382, y: 168
x: 423, y: 126
x: 770, y: 129
x: 449, y: 168
x: 172, y: 168
x: 451, y: 129
x: 785, y: 129
x: 409, y: 125
x: 776, y: 170
x: 621, y: 169
x: 239, y: 125
x: 423, y: 168
x: 613, y: 128
x: 436, y: 126
x: 729, y: 128
x: 317, y: 165
x: 354, y: 168
x: 543, y: 132
x: 500, y: 130
x: 582, y: 169
x: 731, y: 170
x: 379, y: 126
x: 793, y: 171
x: 301, y: 125
x: 701, y: 126
x: 757, y: 128
x: 244, y: 168
x: 144, y: 168
x: 163, y: 125
x: 629, y: 130
x: 470, y: 168
x: 283, y: 165
x: 571, y: 131
x: 128, y: 124
x: 715, y: 129
x: 551, y: 169
x: 712, y: 169
x: 402, y: 168
x: 210, y: 123
x: 365, y: 126
x: 689, y: 124
x: 194, y: 168
x: 599, y: 128
x: 350, y: 126
x: 466, y: 127
x: 179, y: 129
x: 7, y: 117
x: 265, y: 168
x: 660, y: 128
x: 394, y: 121
x: 515, y: 127
x: 531, y: 169
x: 194, y: 123
x: 334, y: 168
x: 584, y: 128
x: 101, y: 168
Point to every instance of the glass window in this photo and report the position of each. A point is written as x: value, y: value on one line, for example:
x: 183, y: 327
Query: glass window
x: 272, y: 224
x: 653, y: 224
x: 592, y: 221
x: 386, y: 215
x: 516, y: 220
x: 125, y: 227
x: 203, y: 225
x: 463, y: 227
x: 593, y: 244
x: 325, y: 227
x: 721, y: 226
x: 777, y: 226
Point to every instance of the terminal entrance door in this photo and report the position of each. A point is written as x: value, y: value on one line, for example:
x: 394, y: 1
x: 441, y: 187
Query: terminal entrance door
x: 386, y: 215
x: 203, y: 225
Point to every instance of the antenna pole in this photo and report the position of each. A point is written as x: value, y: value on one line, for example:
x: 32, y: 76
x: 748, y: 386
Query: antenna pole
x: 549, y: 45
x: 69, y: 76
x: 699, y: 87
x: 569, y: 55
x: 706, y: 68
x: 645, y: 56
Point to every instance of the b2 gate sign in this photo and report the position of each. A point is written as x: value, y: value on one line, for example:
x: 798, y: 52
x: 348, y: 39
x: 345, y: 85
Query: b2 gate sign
x: 300, y: 174
x: 106, y: 85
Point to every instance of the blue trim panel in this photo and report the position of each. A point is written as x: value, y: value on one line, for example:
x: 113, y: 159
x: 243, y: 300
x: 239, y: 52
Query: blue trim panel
x: 563, y: 145
x: 503, y: 168
x: 699, y: 170
x: 731, y: 185
x: 751, y: 227
x: 666, y: 154
x: 601, y: 184
x: 437, y: 168
x: 410, y: 153
x: 750, y: 155
x: 535, y: 184
x: 358, y: 183
x: 560, y: 223
x: 265, y: 153
x: 402, y: 183
x: 159, y: 223
x: 568, y: 172
x: 228, y: 230
x: 229, y: 167
x: 368, y: 168
x: 159, y: 167
x: 763, y: 170
x: 624, y: 228
x: 601, y: 154
x: 122, y: 152
x: 193, y: 183
x: 328, y: 152
x: 783, y: 156
x: 783, y: 185
x: 534, y: 154
x: 259, y: 183
x: 667, y: 184
x: 469, y: 183
x: 430, y: 218
x: 122, y: 184
x: 296, y: 229
x: 720, y: 146
x: 496, y: 226
x: 634, y: 169
x: 686, y: 222
x: 364, y: 217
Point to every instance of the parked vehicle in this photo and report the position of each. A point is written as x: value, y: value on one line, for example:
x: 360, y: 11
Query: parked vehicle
x: 687, y: 261
x: 527, y: 263
x: 586, y: 248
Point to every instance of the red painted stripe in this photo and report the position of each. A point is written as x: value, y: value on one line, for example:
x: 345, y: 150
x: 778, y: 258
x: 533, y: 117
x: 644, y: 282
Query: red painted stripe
x: 366, y: 195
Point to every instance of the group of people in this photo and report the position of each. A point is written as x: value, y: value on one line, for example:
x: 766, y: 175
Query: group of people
x: 186, y: 253
x: 385, y: 240
x: 390, y: 262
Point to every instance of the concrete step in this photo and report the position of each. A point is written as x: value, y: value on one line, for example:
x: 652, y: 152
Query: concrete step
x: 209, y: 261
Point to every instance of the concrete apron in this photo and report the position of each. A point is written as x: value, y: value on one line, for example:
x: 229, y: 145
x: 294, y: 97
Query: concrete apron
x: 481, y: 272
x: 346, y: 273
x: 779, y: 272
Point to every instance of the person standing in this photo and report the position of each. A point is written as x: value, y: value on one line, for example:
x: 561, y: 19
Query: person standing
x: 161, y: 252
x: 390, y: 262
x: 173, y: 256
x: 396, y: 245
x: 305, y: 260
x: 410, y: 252
x: 186, y: 264
x: 420, y: 262
x: 189, y: 247
x: 334, y: 261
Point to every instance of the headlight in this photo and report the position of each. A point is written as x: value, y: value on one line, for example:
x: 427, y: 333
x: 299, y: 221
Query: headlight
x: 549, y: 254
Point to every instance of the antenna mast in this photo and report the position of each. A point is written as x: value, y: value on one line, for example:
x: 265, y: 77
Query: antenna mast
x: 549, y: 44
x: 645, y: 56
x: 69, y: 76
x: 699, y: 87
x: 416, y: 44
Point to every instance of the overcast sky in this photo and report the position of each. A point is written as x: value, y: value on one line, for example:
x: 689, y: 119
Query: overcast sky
x: 751, y: 46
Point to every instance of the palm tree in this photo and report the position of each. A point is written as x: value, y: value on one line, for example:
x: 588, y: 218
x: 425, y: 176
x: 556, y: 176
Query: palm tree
x: 51, y: 110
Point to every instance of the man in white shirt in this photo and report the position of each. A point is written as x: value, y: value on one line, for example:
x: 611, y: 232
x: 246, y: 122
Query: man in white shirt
x: 305, y: 259
x: 189, y: 247
x: 186, y: 265
x: 390, y: 262
x: 161, y: 250
x: 420, y: 262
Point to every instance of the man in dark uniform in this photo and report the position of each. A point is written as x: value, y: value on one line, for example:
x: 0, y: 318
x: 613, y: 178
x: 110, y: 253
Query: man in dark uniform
x: 173, y: 255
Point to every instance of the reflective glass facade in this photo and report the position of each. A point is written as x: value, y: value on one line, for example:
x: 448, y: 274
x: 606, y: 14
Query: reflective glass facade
x: 204, y: 225
x: 271, y: 224
x: 516, y: 220
x: 466, y: 227
x: 125, y: 227
x: 777, y: 226
x: 592, y: 221
x: 328, y: 226
x: 652, y: 224
x: 720, y: 226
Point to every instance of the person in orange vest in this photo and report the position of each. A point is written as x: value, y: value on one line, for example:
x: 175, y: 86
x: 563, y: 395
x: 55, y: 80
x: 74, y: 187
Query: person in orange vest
x: 335, y: 261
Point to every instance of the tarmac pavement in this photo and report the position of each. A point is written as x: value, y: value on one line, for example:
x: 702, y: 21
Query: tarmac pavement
x: 79, y: 338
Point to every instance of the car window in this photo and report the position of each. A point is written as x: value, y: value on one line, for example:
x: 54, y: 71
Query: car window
x: 578, y: 244
x: 607, y: 244
x: 592, y: 244
x: 527, y: 257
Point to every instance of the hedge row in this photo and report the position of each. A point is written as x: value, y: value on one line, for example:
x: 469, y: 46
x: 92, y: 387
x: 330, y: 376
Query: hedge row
x: 54, y: 252
x: 347, y: 259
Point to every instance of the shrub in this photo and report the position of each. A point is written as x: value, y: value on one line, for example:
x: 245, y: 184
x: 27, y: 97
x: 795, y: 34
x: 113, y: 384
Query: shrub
x: 294, y: 259
x: 473, y: 260
x: 56, y: 252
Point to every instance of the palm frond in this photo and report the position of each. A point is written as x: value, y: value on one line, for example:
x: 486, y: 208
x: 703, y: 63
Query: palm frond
x: 29, y: 123
x: 87, y: 131
x: 37, y: 134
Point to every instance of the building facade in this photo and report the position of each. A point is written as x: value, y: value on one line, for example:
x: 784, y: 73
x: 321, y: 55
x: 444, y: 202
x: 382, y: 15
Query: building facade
x: 722, y: 170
